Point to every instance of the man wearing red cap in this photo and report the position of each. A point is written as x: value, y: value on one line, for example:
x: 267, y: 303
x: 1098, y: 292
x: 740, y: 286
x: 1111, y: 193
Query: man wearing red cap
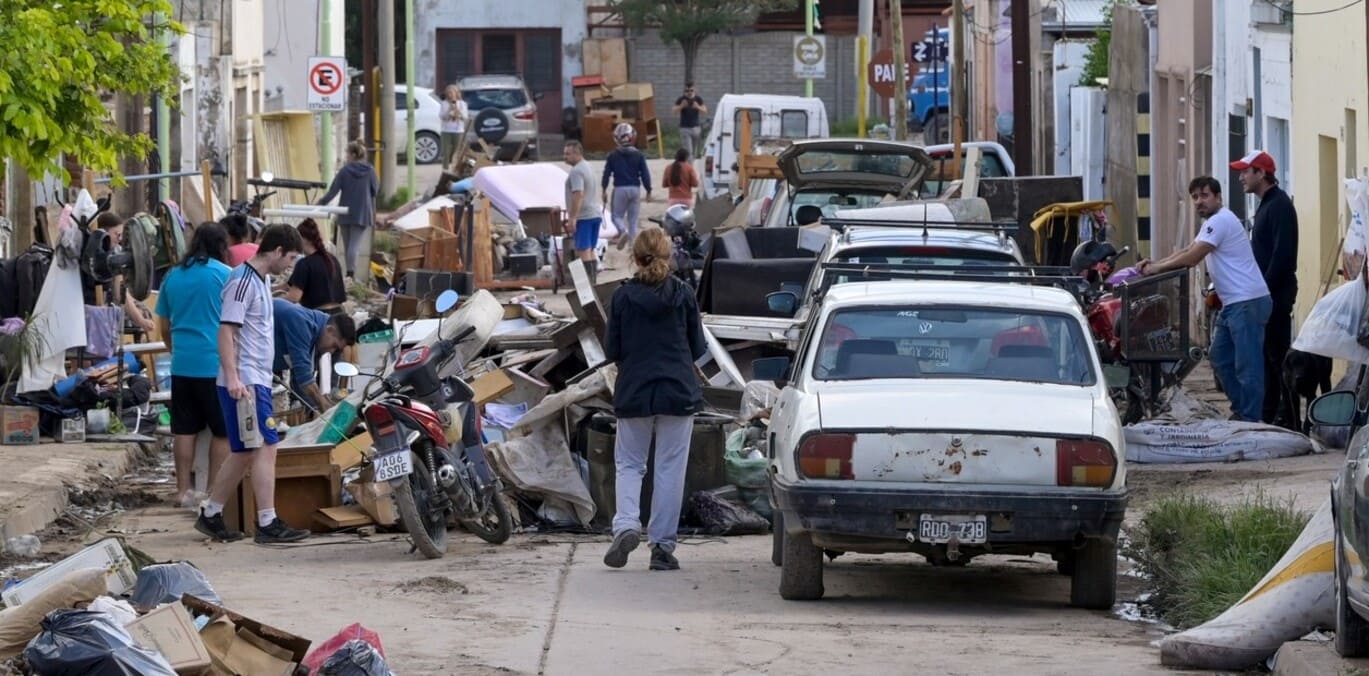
x: 1274, y: 240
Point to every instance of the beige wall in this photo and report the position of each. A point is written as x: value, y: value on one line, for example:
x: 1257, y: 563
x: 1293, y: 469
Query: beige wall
x: 1330, y: 142
x: 1180, y: 119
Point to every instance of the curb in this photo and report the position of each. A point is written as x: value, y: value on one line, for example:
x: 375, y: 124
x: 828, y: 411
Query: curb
x: 32, y: 498
x: 1309, y: 658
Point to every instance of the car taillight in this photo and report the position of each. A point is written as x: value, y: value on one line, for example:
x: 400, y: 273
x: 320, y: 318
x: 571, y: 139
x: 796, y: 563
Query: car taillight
x: 708, y: 164
x: 1084, y: 462
x: 525, y: 115
x: 827, y: 456
x: 379, y: 421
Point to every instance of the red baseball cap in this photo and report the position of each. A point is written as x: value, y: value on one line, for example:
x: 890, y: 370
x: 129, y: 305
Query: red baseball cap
x: 1259, y: 159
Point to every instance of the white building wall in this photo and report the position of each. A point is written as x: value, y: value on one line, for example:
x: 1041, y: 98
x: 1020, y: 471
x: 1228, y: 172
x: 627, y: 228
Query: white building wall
x: 1231, y: 42
x: 1273, y: 109
x: 291, y: 34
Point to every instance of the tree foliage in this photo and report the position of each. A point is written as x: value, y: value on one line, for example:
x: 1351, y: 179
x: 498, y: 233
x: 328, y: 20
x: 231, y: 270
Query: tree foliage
x: 1096, y: 62
x: 60, y: 62
x: 689, y: 22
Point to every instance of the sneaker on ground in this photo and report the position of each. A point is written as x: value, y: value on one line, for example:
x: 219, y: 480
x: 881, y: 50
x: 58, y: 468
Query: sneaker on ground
x: 623, y: 544
x: 214, y: 528
x: 663, y: 560
x: 277, y: 531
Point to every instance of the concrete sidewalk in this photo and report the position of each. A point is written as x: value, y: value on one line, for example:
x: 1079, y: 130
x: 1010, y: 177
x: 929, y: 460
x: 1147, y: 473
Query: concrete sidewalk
x: 34, y: 485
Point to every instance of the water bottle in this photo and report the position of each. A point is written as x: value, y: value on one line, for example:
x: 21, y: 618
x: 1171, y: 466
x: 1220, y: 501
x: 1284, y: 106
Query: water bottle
x: 27, y: 546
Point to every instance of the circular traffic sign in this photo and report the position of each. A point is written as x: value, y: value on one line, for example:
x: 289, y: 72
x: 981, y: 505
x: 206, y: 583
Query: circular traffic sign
x: 880, y: 73
x: 808, y: 50
x: 325, y: 78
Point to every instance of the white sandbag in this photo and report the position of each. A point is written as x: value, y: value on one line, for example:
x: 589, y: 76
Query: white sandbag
x: 1294, y: 597
x: 1211, y: 441
x: 1356, y: 241
x: 1332, y: 325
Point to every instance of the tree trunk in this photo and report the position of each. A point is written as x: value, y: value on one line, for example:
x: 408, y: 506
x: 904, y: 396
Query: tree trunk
x: 690, y: 46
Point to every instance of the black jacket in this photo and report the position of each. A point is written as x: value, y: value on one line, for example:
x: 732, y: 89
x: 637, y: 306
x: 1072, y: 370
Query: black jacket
x: 1274, y: 239
x: 655, y: 336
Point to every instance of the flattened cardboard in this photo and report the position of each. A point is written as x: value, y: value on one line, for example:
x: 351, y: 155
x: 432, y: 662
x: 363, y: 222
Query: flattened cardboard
x: 169, y: 630
x: 296, y: 645
x: 337, y: 518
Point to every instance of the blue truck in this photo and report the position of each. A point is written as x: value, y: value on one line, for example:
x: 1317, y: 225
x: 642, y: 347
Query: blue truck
x: 929, y: 105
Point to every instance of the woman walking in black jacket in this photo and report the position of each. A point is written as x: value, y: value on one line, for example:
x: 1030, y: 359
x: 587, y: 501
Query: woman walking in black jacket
x: 654, y: 336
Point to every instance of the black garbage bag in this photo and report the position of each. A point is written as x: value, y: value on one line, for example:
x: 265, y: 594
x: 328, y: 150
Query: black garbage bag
x: 90, y: 643
x: 167, y: 582
x: 722, y: 517
x: 355, y: 658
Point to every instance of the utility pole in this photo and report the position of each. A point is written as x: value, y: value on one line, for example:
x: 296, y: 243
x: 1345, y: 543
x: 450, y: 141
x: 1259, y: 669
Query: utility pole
x: 369, y: 80
x: 960, y: 85
x: 808, y: 30
x: 865, y: 29
x: 328, y: 146
x: 1022, y: 87
x: 387, y: 97
x: 900, y: 123
x: 409, y: 75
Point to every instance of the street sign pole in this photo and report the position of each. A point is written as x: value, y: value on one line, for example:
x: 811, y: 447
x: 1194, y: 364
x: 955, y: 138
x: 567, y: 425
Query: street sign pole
x: 936, y: 79
x: 326, y: 121
x: 862, y: 88
x: 808, y: 30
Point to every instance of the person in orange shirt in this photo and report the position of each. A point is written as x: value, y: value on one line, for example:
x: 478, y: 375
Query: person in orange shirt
x: 680, y: 180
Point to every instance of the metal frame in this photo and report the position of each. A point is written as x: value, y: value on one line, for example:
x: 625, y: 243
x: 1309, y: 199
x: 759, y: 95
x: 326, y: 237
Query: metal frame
x: 841, y: 224
x: 1142, y: 288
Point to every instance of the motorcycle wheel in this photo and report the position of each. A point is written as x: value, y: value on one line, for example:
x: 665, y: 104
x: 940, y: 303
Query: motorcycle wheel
x: 430, y: 537
x: 494, y: 525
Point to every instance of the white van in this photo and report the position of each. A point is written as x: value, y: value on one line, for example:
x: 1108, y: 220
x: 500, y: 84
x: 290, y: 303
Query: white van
x: 792, y: 117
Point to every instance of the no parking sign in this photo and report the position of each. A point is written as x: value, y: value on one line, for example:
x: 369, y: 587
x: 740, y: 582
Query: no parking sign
x: 327, y: 75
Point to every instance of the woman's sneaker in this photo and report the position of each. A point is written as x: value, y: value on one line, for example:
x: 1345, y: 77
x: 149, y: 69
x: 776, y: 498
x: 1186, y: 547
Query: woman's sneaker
x: 623, y: 544
x: 277, y: 531
x: 215, y: 528
x: 663, y: 560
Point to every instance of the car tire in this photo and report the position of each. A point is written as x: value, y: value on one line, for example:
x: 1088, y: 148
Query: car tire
x: 777, y: 539
x: 800, y: 568
x: 1064, y: 563
x: 427, y: 147
x: 937, y: 130
x: 1352, y: 631
x: 1093, y: 582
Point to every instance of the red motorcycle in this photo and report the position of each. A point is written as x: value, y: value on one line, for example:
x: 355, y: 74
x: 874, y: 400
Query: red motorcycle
x: 1139, y: 323
x: 427, y: 444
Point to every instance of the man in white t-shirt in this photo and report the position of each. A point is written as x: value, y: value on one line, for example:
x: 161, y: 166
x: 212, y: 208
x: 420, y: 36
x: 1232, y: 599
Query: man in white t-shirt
x: 1237, y: 352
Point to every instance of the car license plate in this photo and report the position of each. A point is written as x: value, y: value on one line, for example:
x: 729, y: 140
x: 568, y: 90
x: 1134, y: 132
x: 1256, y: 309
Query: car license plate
x: 938, y: 528
x: 937, y: 353
x: 394, y: 465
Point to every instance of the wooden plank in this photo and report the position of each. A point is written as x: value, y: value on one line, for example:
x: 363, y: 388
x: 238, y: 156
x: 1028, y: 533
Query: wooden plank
x: 337, y: 518
x: 589, y: 55
x: 482, y: 246
x: 351, y: 452
x: 491, y: 386
x: 613, y: 61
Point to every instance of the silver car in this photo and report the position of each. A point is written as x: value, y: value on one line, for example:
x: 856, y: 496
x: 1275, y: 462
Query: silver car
x: 509, y: 96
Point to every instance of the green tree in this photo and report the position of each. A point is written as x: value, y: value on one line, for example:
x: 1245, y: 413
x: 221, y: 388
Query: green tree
x: 61, y: 61
x: 689, y: 22
x: 1096, y: 62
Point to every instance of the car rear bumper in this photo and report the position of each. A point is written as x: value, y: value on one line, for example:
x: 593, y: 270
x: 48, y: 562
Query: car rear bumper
x: 1014, y: 517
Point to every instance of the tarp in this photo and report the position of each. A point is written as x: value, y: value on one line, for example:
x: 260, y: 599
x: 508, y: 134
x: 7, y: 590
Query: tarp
x: 515, y: 187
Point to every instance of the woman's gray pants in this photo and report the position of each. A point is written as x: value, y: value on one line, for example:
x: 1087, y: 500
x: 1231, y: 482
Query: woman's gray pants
x: 631, y: 446
x: 627, y: 202
x: 351, y: 240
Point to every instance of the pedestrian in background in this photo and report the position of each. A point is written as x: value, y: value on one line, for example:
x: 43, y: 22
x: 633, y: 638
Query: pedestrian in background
x: 654, y: 336
x: 246, y: 344
x: 1237, y: 352
x: 188, y: 315
x: 583, y: 207
x: 680, y: 180
x: 454, y: 113
x: 1274, y: 239
x: 316, y: 282
x: 358, y: 186
x: 690, y: 106
x: 626, y: 168
x: 242, y: 239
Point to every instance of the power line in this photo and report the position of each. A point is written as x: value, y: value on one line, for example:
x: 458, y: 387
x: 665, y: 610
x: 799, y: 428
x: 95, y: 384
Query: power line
x: 1287, y: 10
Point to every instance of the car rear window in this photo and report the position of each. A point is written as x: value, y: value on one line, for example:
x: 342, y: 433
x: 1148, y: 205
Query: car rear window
x: 914, y: 342
x: 864, y: 161
x: 503, y: 99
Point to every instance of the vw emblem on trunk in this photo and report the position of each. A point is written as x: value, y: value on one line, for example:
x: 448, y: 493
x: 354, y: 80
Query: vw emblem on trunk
x: 924, y: 327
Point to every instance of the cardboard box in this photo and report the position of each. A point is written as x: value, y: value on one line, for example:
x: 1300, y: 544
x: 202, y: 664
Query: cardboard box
x: 73, y: 430
x: 18, y: 425
x: 632, y: 91
x: 338, y: 518
x: 240, y: 645
x: 170, y: 631
x: 491, y: 386
x: 376, y: 498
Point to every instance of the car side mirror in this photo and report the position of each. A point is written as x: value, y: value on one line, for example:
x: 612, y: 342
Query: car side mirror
x: 784, y: 303
x: 1334, y: 409
x: 1116, y: 377
x: 771, y: 368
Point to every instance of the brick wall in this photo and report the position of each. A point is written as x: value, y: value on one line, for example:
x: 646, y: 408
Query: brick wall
x: 758, y: 63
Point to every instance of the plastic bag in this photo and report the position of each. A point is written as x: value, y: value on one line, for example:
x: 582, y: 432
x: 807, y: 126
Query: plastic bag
x: 167, y: 582
x: 120, y: 610
x: 720, y: 517
x: 90, y: 643
x: 356, y: 658
x: 1332, y: 326
x: 352, y: 632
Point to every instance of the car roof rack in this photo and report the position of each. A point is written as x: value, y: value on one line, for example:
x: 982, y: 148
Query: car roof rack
x: 1037, y: 275
x: 842, y: 225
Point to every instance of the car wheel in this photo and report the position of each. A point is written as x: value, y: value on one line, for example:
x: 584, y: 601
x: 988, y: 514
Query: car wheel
x: 800, y: 568
x: 1064, y: 563
x: 937, y: 130
x: 1352, y: 631
x: 427, y: 146
x: 777, y: 539
x: 1093, y: 582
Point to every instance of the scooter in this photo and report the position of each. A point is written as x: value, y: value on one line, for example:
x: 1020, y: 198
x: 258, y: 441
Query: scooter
x: 427, y: 445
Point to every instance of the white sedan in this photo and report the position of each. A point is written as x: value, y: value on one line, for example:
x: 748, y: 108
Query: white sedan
x: 952, y: 419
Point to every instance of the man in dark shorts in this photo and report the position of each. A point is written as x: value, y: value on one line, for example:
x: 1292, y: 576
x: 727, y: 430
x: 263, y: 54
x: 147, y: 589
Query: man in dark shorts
x: 246, y: 351
x: 188, y: 318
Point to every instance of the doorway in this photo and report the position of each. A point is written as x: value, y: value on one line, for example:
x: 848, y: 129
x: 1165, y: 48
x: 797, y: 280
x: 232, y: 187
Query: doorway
x: 533, y: 54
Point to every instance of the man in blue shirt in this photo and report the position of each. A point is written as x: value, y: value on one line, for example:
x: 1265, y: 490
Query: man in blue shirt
x: 188, y: 318
x: 301, y: 336
x: 625, y: 167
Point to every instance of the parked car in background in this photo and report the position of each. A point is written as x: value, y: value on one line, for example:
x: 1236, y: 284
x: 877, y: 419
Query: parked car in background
x: 1350, y: 512
x: 994, y: 162
x: 785, y: 117
x: 929, y: 104
x: 874, y: 449
x: 427, y: 123
x: 514, y: 106
x: 833, y: 174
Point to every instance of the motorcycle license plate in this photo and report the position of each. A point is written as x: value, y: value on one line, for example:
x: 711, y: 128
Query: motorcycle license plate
x: 394, y: 465
x: 938, y: 528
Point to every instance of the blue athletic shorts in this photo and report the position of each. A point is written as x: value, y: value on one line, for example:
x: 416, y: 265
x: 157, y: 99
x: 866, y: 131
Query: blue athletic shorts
x: 265, y: 417
x: 587, y: 233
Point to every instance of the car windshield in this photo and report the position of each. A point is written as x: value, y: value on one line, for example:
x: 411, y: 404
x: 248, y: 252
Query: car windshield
x: 815, y: 163
x: 953, y: 342
x: 504, y: 99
